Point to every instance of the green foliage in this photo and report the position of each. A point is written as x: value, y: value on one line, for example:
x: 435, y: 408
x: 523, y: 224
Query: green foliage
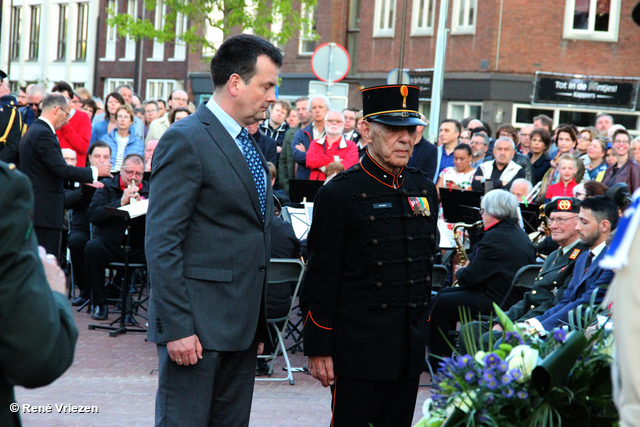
x: 255, y: 16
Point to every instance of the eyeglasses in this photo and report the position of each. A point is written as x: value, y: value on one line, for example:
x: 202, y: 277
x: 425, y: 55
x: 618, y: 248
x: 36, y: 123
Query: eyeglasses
x: 334, y: 122
x: 481, y: 211
x: 65, y: 111
x: 185, y: 100
x: 561, y: 221
x: 133, y: 173
x: 150, y: 111
x: 33, y: 104
x: 617, y: 141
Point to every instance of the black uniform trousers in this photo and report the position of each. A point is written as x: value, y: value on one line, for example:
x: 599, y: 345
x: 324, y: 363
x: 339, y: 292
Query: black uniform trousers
x: 76, y: 242
x: 221, y: 383
x: 97, y: 255
x: 50, y: 239
x: 445, y: 315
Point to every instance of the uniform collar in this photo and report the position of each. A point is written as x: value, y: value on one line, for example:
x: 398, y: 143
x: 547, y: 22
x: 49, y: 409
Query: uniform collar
x: 380, y: 174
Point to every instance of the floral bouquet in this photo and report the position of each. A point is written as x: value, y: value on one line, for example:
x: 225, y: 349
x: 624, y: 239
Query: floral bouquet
x: 529, y: 381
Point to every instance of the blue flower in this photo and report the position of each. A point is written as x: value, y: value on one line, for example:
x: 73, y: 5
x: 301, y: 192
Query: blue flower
x: 506, y: 379
x: 469, y: 376
x: 464, y: 361
x: 489, y: 376
x: 491, y: 359
x: 508, y: 392
x: 522, y: 395
x: 492, y: 384
x: 560, y: 335
x: 513, y: 335
x: 484, y: 417
x: 503, y: 367
x: 515, y: 374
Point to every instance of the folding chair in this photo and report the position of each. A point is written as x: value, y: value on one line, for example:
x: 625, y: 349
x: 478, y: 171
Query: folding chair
x: 438, y: 278
x: 523, y: 280
x: 281, y: 273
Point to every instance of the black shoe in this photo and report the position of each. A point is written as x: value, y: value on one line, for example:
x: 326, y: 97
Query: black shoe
x: 262, y: 367
x: 100, y: 312
x: 77, y: 302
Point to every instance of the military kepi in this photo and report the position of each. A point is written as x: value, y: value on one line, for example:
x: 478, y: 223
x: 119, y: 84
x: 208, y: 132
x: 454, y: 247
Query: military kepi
x: 3, y: 75
x: 562, y: 204
x: 395, y: 105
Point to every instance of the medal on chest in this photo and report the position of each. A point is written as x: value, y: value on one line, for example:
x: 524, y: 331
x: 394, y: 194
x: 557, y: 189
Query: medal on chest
x: 420, y: 206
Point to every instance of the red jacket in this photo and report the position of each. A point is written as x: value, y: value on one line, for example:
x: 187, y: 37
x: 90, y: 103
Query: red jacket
x: 76, y: 135
x: 559, y: 190
x: 320, y: 155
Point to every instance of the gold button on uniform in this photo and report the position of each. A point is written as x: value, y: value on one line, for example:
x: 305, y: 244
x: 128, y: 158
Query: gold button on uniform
x: 532, y: 306
x: 533, y: 292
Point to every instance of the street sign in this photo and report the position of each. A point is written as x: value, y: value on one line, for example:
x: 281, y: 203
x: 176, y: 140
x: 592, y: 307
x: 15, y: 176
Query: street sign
x: 330, y: 62
x: 392, y: 77
x: 339, y: 95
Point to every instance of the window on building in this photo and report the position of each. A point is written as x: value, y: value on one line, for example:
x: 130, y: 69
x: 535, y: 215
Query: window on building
x: 463, y: 19
x: 110, y: 85
x: 77, y: 85
x: 592, y: 20
x: 214, y: 34
x: 34, y: 33
x: 384, y: 18
x: 422, y: 18
x: 83, y: 31
x: 307, y: 38
x: 16, y: 25
x: 158, y: 47
x: 353, y: 34
x: 462, y: 110
x: 157, y: 88
x: 130, y: 43
x: 180, y: 47
x: 112, y: 34
x: 62, y: 31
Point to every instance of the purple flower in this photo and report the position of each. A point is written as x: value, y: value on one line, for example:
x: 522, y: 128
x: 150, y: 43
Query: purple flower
x: 484, y: 417
x: 492, y: 384
x: 560, y: 335
x: 491, y: 359
x: 513, y: 335
x: 469, y: 376
x: 522, y: 395
x: 490, y: 399
x: 506, y: 379
x: 508, y: 392
x: 464, y: 361
x: 489, y: 376
x: 503, y: 367
x: 515, y: 374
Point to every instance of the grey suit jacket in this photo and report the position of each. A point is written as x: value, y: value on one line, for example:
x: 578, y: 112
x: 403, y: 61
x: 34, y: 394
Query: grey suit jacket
x: 207, y: 247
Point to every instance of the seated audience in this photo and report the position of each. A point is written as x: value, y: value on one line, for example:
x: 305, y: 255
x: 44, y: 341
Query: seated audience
x: 509, y: 131
x: 121, y: 140
x: 502, y: 171
x: 79, y: 231
x: 596, y: 166
x: 278, y: 193
x: 567, y: 168
x: 108, y: 231
x: 487, y: 277
x: 555, y: 274
x: 566, y: 141
x: 459, y: 176
x: 520, y: 188
x: 625, y: 170
x: 479, y: 146
x: 332, y: 147
x: 597, y: 219
x: 540, y: 140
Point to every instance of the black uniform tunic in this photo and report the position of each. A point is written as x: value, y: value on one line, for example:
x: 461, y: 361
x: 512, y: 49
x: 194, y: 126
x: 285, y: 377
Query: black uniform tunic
x: 368, y: 283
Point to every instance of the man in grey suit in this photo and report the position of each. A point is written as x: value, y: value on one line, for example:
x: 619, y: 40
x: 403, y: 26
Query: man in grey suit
x: 207, y: 244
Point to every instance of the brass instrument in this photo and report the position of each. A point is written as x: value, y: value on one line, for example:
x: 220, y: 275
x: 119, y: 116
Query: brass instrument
x: 534, y: 193
x: 537, y: 236
x: 462, y: 252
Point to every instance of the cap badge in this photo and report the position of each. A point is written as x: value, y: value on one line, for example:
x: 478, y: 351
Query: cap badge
x: 564, y: 205
x: 404, y: 91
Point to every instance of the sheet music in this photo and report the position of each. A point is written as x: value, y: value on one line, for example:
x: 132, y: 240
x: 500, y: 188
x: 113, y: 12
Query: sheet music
x: 299, y: 220
x: 136, y: 209
x: 446, y: 236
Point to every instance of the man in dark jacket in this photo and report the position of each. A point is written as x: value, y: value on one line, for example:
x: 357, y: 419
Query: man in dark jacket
x: 501, y: 251
x: 106, y: 245
x: 367, y: 288
x: 10, y: 123
x: 425, y: 154
x: 37, y: 331
x: 266, y: 144
x: 554, y: 276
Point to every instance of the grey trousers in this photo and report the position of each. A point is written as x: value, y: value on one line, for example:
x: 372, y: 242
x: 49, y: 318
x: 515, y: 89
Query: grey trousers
x: 216, y: 391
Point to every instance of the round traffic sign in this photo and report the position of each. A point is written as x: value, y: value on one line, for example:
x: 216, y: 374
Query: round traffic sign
x: 330, y: 62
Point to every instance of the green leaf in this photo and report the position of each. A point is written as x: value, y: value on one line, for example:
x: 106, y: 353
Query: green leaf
x: 506, y: 323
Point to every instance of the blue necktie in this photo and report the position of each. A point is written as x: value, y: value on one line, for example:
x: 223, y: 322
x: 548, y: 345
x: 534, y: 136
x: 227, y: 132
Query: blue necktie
x: 255, y: 165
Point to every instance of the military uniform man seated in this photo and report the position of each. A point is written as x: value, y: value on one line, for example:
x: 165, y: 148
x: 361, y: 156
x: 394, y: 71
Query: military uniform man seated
x: 554, y: 277
x: 108, y: 231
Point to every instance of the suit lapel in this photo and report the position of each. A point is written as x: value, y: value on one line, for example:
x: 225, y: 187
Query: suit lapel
x: 233, y: 154
x: 592, y: 268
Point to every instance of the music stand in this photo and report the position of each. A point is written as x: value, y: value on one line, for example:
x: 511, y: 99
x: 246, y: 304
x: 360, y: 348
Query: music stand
x: 460, y: 206
x: 301, y: 189
x: 134, y: 231
x: 530, y: 217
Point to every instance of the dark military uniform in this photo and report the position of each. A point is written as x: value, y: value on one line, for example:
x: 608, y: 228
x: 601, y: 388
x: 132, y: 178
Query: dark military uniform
x: 37, y: 331
x: 367, y: 289
x: 10, y: 129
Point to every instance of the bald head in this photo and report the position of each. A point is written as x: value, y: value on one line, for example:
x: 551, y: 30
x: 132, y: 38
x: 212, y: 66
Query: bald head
x: 70, y: 156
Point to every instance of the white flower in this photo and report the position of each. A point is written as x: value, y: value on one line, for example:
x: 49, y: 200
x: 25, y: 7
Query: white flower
x: 524, y: 358
x: 479, y: 357
x: 426, y: 407
x: 464, y: 402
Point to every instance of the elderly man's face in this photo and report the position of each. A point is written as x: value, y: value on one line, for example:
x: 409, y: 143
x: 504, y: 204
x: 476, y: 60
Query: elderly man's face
x: 131, y: 171
x: 127, y: 94
x: 563, y: 227
x: 334, y: 124
x: 519, y: 189
x: 391, y: 146
x: 318, y: 109
x: 179, y: 99
x: 524, y: 135
x: 603, y: 124
x: 503, y: 152
x: 34, y: 101
x: 349, y: 120
x: 478, y: 147
x: 149, y: 149
x: 70, y: 156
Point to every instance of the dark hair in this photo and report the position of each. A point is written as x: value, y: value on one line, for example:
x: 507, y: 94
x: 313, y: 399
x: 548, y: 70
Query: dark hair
x: 239, y: 55
x: 543, y: 134
x: 570, y: 131
x: 545, y: 120
x: 620, y: 131
x: 480, y: 129
x: 149, y: 101
x: 54, y: 100
x: 99, y: 144
x: 302, y: 98
x: 63, y: 86
x: 513, y: 133
x: 161, y: 101
x: 465, y: 122
x: 602, y: 207
x: 465, y: 147
x: 139, y: 159
x: 455, y: 123
x: 91, y: 104
x: 594, y: 188
x: 117, y: 97
x: 174, y: 111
